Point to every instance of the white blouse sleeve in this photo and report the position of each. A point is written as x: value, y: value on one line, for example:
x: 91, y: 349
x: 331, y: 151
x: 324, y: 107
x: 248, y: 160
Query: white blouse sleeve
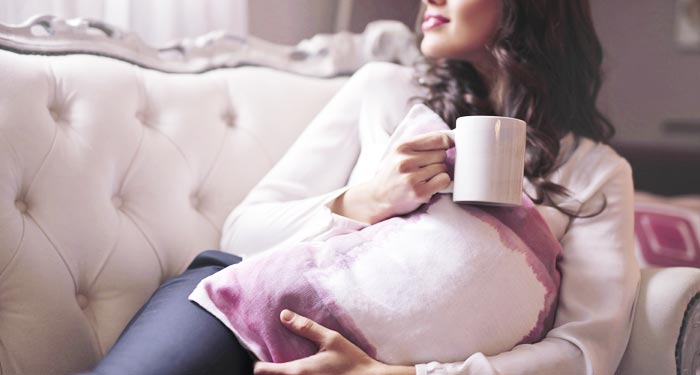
x: 600, y: 281
x: 289, y: 203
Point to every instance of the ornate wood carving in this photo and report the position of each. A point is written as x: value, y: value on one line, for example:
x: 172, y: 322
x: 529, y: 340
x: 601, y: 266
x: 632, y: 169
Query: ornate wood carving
x: 323, y: 55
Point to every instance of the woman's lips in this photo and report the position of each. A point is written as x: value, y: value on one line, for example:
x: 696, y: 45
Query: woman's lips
x: 431, y: 21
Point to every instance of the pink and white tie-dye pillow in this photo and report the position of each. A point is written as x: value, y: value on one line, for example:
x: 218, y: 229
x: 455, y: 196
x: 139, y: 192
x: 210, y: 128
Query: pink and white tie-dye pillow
x: 439, y: 284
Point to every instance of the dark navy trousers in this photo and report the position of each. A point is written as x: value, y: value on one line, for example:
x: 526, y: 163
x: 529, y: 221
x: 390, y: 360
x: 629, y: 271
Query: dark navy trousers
x: 171, y: 335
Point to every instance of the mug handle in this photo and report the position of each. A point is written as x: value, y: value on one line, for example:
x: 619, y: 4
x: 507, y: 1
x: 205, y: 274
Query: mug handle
x: 450, y: 189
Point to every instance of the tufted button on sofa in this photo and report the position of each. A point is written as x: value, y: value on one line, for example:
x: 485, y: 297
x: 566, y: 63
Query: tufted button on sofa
x: 115, y: 174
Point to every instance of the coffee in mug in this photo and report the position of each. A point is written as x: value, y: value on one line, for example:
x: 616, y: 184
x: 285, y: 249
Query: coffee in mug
x: 489, y: 160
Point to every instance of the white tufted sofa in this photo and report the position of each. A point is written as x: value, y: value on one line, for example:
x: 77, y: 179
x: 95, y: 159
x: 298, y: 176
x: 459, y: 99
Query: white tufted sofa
x: 113, y: 176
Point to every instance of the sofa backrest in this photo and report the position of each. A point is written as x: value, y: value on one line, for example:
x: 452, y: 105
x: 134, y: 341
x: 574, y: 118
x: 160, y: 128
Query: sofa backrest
x: 112, y: 178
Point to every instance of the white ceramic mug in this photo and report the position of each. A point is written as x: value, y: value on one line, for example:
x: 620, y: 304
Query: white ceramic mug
x: 489, y: 160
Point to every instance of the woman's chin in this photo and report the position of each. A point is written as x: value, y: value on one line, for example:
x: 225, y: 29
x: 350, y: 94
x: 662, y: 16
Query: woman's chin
x: 440, y: 51
x: 431, y: 51
x: 433, y: 46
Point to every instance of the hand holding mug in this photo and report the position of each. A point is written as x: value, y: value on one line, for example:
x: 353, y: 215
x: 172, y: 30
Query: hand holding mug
x: 411, y: 174
x: 489, y: 168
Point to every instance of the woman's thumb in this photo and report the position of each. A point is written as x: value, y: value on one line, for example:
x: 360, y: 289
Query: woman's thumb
x: 304, y: 326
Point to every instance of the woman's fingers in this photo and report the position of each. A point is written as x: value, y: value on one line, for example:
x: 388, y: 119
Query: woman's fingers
x: 267, y: 368
x: 429, y: 141
x: 431, y: 157
x: 399, y: 186
x: 438, y: 182
x: 287, y: 368
x: 429, y: 180
x: 429, y: 171
x: 306, y: 327
x: 420, y: 159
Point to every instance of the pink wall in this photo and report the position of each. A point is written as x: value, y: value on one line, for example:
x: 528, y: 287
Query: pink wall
x: 649, y: 80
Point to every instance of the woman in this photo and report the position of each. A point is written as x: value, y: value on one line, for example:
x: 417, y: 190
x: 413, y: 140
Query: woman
x: 536, y: 60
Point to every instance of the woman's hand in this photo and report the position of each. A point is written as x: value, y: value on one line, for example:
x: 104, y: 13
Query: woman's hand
x: 409, y: 176
x: 336, y: 355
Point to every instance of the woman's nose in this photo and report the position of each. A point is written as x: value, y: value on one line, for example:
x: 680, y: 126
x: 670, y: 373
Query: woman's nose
x: 435, y: 2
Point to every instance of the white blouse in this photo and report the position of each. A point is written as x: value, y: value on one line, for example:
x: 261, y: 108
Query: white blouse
x: 343, y: 146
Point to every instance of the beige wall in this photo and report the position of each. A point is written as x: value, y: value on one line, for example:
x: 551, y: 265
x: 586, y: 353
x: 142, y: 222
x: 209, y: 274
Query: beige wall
x: 289, y: 21
x: 365, y: 11
x: 649, y: 80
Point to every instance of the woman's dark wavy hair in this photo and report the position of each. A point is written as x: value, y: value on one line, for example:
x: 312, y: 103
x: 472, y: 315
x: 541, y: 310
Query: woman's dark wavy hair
x: 549, y: 75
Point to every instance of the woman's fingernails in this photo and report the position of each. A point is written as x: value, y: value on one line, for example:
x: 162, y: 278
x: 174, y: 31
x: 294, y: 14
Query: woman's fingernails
x: 287, y: 315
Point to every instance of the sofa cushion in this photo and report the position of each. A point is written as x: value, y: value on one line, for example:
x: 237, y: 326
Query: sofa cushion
x: 667, y: 230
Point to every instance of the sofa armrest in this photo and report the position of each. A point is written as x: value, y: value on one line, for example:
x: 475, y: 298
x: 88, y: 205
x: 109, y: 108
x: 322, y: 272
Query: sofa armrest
x: 666, y: 328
